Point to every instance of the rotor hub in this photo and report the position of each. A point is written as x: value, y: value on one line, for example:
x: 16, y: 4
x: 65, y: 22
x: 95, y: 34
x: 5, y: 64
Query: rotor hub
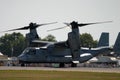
x: 74, y: 25
x: 33, y: 25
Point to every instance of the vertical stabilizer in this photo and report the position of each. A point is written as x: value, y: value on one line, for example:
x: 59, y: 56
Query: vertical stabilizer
x: 116, y: 47
x: 104, y: 40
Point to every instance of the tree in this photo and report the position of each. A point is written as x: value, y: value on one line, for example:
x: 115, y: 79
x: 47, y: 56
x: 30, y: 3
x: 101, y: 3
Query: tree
x: 12, y: 44
x: 49, y: 38
x: 87, y: 40
x: 94, y: 44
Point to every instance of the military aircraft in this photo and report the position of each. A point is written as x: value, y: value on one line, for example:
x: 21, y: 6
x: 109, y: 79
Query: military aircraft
x: 116, y: 47
x: 69, y: 51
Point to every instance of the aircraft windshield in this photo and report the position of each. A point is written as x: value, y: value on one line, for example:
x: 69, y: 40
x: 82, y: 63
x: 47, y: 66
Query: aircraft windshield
x: 30, y: 50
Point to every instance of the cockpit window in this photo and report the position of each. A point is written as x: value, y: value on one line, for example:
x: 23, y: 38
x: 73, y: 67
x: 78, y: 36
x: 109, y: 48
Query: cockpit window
x: 25, y: 51
x: 29, y: 51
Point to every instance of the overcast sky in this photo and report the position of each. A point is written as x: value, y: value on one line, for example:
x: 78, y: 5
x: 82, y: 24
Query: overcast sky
x: 19, y: 13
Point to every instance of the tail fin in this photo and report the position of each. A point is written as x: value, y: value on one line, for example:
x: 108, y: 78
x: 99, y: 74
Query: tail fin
x: 104, y: 40
x: 116, y: 47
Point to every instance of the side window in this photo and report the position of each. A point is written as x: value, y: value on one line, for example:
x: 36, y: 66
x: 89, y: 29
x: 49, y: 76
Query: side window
x: 32, y: 52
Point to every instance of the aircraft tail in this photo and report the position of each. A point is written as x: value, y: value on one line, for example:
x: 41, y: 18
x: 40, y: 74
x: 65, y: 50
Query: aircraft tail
x: 116, y: 46
x: 104, y: 40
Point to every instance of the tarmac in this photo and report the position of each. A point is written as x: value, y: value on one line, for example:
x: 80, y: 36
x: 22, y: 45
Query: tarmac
x: 82, y: 69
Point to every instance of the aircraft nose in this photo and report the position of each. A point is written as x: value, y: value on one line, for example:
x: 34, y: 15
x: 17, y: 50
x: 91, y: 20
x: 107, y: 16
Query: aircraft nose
x: 22, y: 57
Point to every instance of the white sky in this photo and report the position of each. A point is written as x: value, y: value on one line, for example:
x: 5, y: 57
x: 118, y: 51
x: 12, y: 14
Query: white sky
x: 19, y: 13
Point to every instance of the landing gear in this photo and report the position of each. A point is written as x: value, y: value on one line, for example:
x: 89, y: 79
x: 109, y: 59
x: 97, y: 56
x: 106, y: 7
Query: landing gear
x: 22, y: 64
x: 73, y: 65
x: 62, y: 65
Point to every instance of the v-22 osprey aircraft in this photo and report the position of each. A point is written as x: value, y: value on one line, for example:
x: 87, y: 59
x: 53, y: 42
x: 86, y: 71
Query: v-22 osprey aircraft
x: 69, y: 51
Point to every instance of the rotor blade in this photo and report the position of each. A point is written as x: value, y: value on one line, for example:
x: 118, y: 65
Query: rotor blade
x: 85, y: 24
x: 46, y: 24
x: 23, y: 28
x: 57, y: 28
x: 68, y: 24
x: 60, y: 27
x: 27, y: 27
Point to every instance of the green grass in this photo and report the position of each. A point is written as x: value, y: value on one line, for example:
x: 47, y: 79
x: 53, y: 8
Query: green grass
x: 55, y: 75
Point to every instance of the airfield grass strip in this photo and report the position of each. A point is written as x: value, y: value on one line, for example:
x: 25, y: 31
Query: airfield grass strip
x: 56, y: 75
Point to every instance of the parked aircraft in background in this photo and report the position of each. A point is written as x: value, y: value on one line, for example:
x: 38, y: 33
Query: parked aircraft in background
x: 116, y: 47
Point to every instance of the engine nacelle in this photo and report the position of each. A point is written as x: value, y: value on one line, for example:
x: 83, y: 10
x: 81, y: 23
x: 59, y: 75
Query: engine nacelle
x: 74, y: 44
x: 32, y: 36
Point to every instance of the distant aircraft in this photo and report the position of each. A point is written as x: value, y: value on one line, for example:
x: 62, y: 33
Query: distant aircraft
x: 68, y: 51
x: 116, y: 47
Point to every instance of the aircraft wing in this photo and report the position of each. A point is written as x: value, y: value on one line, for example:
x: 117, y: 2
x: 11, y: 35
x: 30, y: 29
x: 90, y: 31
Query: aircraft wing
x: 62, y: 44
x: 40, y: 43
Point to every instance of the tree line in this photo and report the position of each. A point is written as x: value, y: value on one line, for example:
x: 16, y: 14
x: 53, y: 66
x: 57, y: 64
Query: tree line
x: 13, y: 44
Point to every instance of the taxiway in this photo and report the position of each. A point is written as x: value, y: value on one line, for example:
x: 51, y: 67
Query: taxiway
x: 82, y: 69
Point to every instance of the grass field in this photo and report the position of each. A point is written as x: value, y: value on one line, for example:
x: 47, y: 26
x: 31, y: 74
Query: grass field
x: 55, y: 75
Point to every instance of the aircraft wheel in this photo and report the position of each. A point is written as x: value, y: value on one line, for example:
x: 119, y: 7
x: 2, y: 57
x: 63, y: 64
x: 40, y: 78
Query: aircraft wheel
x: 73, y: 65
x: 22, y: 64
x: 62, y: 65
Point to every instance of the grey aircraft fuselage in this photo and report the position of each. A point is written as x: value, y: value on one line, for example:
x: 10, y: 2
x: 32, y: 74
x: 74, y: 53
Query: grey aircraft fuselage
x: 54, y: 55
